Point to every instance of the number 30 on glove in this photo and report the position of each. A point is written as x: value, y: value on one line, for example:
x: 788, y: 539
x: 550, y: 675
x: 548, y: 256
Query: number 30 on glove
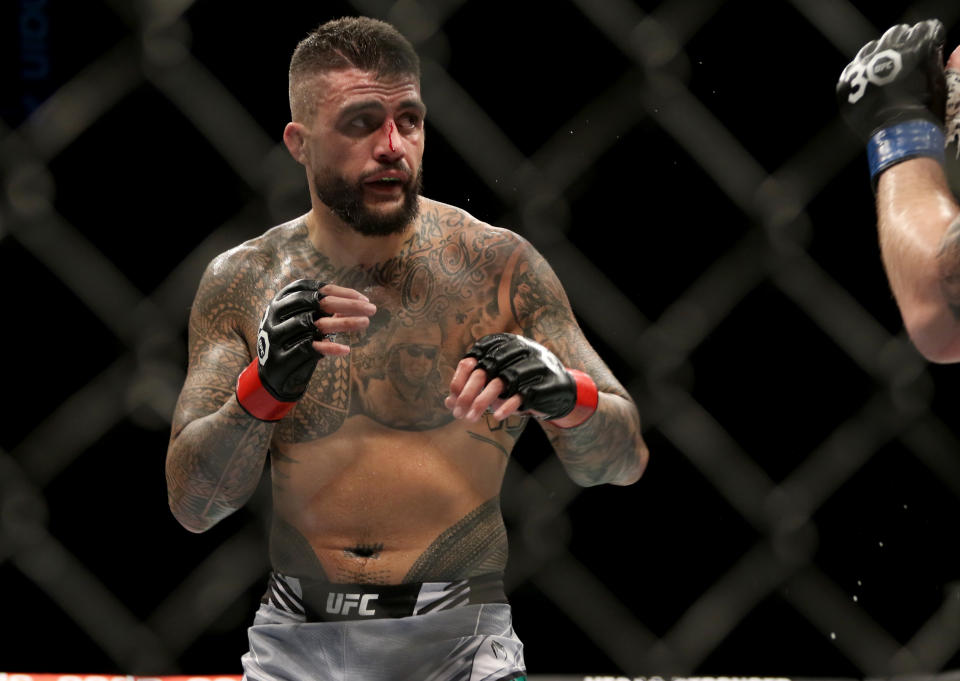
x: 565, y: 397
x: 893, y: 95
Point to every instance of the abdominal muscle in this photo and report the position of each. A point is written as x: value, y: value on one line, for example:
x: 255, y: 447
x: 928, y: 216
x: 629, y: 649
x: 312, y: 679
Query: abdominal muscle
x: 371, y: 504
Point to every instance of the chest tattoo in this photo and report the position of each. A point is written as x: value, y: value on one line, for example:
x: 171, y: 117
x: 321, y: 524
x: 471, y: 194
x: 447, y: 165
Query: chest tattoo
x: 433, y: 300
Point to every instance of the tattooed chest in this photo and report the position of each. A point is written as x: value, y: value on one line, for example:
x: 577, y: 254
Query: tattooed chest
x: 398, y: 372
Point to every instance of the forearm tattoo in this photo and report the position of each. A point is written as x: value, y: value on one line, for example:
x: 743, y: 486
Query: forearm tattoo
x: 215, y: 470
x: 217, y: 451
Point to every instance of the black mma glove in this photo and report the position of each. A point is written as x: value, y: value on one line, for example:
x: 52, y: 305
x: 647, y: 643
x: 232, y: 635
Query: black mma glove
x: 565, y: 397
x: 893, y: 95
x: 269, y: 387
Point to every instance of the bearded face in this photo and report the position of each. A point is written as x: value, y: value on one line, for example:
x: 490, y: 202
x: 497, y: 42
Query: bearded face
x: 349, y: 202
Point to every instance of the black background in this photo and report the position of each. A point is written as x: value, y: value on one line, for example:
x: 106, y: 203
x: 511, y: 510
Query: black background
x: 145, y: 188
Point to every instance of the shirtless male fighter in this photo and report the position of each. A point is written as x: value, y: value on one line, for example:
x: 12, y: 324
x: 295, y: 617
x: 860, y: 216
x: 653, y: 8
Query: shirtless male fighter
x: 906, y: 106
x: 387, y: 351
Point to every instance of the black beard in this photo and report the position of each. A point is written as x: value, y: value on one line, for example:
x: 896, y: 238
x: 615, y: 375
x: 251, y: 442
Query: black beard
x: 346, y: 202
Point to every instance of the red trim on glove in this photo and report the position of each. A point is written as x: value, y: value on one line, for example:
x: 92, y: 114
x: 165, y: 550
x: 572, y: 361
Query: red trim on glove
x: 255, y: 399
x: 587, y: 400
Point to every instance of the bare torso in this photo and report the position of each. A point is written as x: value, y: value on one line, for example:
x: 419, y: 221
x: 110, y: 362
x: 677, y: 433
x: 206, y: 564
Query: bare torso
x: 373, y: 479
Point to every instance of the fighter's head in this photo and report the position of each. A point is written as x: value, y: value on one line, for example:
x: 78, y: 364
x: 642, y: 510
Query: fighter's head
x: 350, y: 42
x: 358, y: 123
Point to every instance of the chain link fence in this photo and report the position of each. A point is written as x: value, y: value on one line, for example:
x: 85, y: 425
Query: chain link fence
x: 682, y: 166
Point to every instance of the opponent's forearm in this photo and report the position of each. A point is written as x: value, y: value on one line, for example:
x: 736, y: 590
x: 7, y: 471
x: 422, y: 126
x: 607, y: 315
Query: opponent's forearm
x: 920, y: 242
x: 214, y: 464
x: 607, y: 448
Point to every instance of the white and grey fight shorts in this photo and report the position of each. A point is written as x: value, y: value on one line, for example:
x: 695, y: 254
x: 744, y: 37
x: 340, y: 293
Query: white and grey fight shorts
x: 434, y: 631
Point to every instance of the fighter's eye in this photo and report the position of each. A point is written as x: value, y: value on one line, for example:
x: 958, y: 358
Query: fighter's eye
x: 408, y: 121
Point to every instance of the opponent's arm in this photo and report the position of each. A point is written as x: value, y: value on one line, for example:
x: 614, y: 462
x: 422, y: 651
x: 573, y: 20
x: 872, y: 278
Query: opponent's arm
x: 229, y: 405
x: 919, y: 229
x: 893, y: 93
x: 552, y: 372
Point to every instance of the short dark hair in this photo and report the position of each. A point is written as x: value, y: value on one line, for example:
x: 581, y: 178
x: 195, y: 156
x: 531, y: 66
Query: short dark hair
x: 349, y: 42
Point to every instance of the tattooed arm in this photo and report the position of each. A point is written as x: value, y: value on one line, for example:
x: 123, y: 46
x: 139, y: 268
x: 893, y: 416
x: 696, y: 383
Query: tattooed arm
x: 608, y: 447
x: 217, y: 451
x: 919, y: 229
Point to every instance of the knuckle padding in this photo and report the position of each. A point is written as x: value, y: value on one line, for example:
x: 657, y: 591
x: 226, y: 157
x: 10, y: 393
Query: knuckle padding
x: 866, y: 51
x: 511, y: 383
x: 505, y: 359
x: 489, y: 365
x: 301, y: 285
x: 522, y: 375
x: 293, y: 304
x: 527, y: 369
x: 484, y: 346
x: 892, y: 94
x: 293, y: 330
x: 289, y: 325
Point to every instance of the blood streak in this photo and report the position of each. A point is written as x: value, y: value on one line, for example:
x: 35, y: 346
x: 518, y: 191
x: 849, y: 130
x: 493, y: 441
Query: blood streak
x: 390, y: 135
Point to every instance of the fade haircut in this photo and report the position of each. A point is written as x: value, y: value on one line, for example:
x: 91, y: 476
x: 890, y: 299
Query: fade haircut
x: 349, y: 42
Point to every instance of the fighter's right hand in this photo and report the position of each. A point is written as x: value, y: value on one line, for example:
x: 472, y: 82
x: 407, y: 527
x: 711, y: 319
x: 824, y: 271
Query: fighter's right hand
x: 893, y: 94
x: 291, y: 340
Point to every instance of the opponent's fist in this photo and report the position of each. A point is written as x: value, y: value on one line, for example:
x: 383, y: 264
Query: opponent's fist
x: 564, y: 396
x: 270, y: 386
x: 893, y: 94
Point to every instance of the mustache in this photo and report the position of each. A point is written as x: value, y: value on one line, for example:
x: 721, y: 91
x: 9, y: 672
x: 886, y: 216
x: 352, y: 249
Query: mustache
x: 398, y: 167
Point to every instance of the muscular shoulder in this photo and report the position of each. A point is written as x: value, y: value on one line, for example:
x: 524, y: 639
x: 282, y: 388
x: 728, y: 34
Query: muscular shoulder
x: 456, y: 227
x: 524, y: 289
x: 525, y: 282
x: 500, y: 264
x: 260, y: 254
x: 236, y: 282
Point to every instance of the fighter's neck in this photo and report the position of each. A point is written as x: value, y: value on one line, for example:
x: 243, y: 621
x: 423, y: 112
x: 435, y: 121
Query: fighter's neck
x: 345, y: 247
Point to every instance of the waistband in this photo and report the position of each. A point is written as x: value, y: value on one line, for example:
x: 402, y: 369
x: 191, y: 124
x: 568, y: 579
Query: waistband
x: 320, y: 601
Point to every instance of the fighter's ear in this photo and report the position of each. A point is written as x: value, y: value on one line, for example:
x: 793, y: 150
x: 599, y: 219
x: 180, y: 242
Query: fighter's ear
x: 294, y: 137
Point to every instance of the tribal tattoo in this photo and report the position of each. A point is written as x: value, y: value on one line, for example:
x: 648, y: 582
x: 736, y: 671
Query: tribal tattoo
x: 214, y: 464
x: 454, y: 281
x: 434, y: 299
x: 606, y: 448
x: 475, y: 545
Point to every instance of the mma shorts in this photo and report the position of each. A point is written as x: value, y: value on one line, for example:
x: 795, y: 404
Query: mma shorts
x: 434, y: 631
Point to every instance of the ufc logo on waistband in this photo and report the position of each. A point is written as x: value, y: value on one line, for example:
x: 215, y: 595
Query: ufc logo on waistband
x: 342, y: 604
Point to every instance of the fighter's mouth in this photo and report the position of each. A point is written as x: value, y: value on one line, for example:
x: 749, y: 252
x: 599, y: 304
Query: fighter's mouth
x: 387, y: 178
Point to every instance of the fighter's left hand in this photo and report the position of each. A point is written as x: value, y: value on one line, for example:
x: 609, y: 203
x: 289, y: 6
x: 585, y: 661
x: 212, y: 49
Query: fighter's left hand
x: 472, y: 393
x: 510, y: 374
